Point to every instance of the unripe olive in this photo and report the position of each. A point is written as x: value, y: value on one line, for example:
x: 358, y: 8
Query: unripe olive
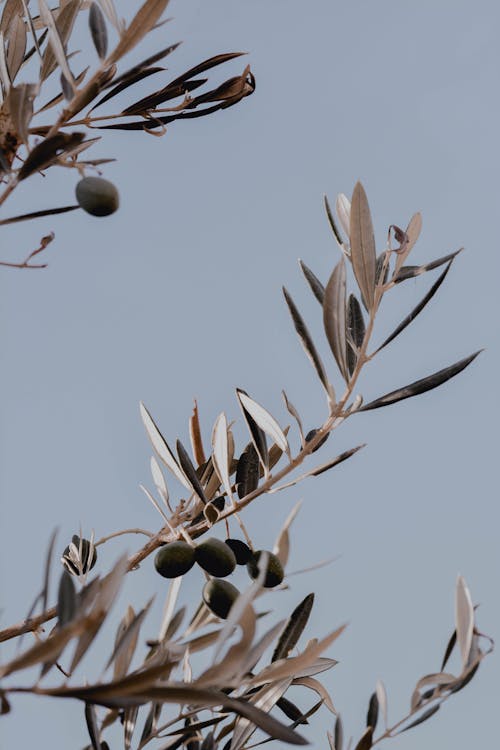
x: 87, y: 560
x: 219, y: 596
x: 275, y: 572
x: 97, y: 196
x: 174, y: 559
x: 242, y: 551
x: 215, y: 557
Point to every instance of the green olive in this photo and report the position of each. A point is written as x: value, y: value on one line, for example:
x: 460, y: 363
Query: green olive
x: 97, y: 196
x: 219, y: 596
x: 174, y: 559
x: 215, y: 557
x: 242, y: 551
x: 275, y: 572
x: 87, y: 561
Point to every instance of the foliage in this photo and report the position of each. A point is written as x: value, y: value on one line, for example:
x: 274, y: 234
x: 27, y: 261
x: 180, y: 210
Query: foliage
x: 243, y: 676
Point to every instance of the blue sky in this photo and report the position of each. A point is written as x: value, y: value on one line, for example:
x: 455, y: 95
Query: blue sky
x: 178, y: 295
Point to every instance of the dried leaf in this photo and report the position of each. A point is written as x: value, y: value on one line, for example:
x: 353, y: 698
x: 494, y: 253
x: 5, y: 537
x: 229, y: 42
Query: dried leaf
x: 318, y: 688
x: 195, y: 436
x: 98, y: 31
x: 307, y: 343
x: 265, y: 421
x: 464, y: 620
x: 110, y: 13
x: 363, y: 252
x: 418, y: 309
x: 295, y: 414
x: 144, y: 20
x: 282, y: 545
x: 334, y: 317
x: 297, y: 666
x: 59, y: 33
x: 256, y: 433
x: 16, y: 47
x: 20, y: 102
x: 162, y: 448
x: 264, y: 699
x: 421, y: 386
x: 294, y: 628
x: 317, y: 287
x: 126, y: 640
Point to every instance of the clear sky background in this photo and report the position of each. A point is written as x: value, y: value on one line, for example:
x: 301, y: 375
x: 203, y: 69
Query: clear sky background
x: 179, y: 296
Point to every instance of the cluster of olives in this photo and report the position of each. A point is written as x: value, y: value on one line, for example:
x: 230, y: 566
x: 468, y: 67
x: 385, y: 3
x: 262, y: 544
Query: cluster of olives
x: 219, y: 559
x: 97, y: 196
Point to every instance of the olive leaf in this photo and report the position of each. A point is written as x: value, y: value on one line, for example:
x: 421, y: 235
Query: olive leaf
x: 307, y: 342
x: 247, y: 471
x: 417, y: 309
x: 317, y: 287
x: 363, y: 253
x: 422, y: 385
x: 464, y: 620
x: 409, y: 272
x: 98, y: 31
x: 423, y: 717
x: 146, y: 17
x: 265, y: 421
x: 189, y: 471
x: 331, y: 221
x: 334, y: 316
x: 365, y: 742
x: 257, y: 434
x: 162, y: 448
x: 293, y: 628
x: 46, y: 152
